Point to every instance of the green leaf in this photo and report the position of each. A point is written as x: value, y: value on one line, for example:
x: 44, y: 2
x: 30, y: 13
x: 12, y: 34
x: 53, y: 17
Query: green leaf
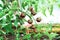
x: 27, y: 36
x: 1, y: 5
x: 8, y: 28
x: 59, y: 5
x: 4, y: 21
x: 10, y: 12
x: 37, y: 35
x: 51, y: 9
x: 17, y: 37
x: 33, y: 2
x: 16, y: 23
x: 6, y: 10
x: 46, y: 33
x: 2, y: 32
x: 8, y: 19
x: 1, y: 38
x: 52, y: 35
x: 1, y: 14
x: 21, y: 22
x: 43, y: 11
x: 24, y: 4
x: 36, y: 6
x: 42, y: 1
x: 15, y: 5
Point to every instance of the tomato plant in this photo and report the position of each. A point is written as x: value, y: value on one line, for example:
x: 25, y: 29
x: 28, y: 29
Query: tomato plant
x: 12, y: 19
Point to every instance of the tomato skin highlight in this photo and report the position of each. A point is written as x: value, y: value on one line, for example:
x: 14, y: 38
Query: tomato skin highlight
x: 30, y: 21
x: 38, y: 19
x: 22, y: 15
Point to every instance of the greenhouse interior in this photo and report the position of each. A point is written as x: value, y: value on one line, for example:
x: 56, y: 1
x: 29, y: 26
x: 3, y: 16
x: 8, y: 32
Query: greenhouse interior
x: 29, y: 19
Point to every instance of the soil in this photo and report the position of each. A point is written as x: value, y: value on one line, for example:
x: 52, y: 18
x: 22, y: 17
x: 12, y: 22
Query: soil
x: 44, y: 37
x: 9, y: 37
